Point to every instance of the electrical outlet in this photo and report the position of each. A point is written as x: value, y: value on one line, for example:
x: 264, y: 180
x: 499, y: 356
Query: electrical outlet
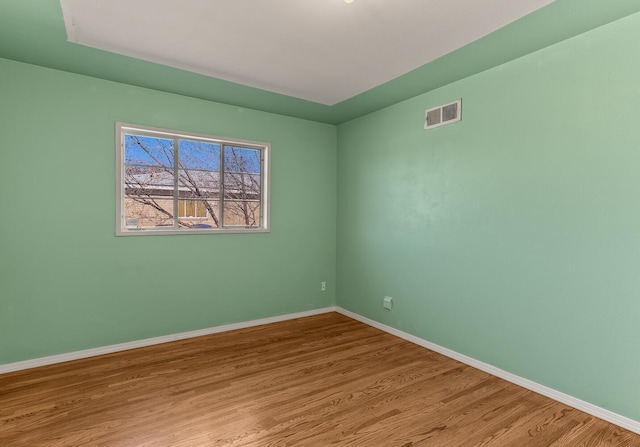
x: 323, y: 286
x: 387, y: 302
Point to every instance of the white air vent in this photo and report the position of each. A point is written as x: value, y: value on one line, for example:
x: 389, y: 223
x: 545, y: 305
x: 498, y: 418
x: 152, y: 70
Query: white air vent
x: 444, y: 114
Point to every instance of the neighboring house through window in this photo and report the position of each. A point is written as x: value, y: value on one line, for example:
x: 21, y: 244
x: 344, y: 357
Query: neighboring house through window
x: 173, y: 182
x: 192, y: 208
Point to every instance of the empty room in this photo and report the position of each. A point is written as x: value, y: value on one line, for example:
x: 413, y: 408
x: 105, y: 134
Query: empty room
x: 319, y: 223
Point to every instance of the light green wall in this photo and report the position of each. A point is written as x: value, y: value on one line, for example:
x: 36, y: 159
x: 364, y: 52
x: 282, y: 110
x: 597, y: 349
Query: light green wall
x: 513, y: 236
x: 67, y: 283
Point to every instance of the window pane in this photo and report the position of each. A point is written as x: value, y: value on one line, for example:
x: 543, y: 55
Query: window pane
x: 143, y: 180
x: 192, y: 208
x: 199, y: 178
x: 241, y: 186
x: 148, y: 182
x: 199, y: 184
x: 148, y: 212
x: 239, y: 159
x: 241, y: 213
x: 198, y: 214
x: 199, y: 155
x: 148, y: 151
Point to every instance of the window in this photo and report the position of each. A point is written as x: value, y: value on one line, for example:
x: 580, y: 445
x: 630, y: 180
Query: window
x: 175, y: 183
x: 192, y: 208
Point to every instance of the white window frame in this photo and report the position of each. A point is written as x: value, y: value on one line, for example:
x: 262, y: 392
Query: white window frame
x: 122, y: 229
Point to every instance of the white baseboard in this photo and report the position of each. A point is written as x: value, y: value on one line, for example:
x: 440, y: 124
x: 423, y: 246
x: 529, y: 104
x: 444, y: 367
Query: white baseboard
x: 50, y: 360
x: 574, y: 402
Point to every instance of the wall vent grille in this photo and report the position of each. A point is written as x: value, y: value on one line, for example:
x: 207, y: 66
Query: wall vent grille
x: 444, y: 114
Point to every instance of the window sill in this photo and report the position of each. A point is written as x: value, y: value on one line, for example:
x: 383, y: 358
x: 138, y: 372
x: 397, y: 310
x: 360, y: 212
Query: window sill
x: 159, y: 232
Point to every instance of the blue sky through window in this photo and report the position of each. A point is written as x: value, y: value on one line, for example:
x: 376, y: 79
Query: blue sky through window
x: 240, y: 159
x: 148, y: 151
x: 197, y: 155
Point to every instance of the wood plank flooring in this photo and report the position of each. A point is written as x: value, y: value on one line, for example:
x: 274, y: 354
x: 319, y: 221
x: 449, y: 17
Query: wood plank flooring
x: 322, y: 381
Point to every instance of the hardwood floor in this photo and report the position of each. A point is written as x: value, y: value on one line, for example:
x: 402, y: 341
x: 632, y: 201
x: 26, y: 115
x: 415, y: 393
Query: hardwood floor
x: 325, y: 380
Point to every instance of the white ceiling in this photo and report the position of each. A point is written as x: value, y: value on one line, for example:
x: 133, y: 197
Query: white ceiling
x: 325, y: 51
